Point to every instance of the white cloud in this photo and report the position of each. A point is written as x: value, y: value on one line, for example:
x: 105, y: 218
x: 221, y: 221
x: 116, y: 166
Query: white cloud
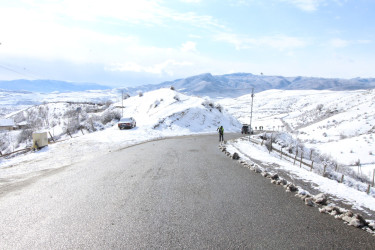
x: 166, y: 67
x: 364, y: 41
x: 149, y: 12
x: 280, y: 42
x: 339, y: 43
x: 189, y: 47
x: 191, y: 1
x: 306, y: 5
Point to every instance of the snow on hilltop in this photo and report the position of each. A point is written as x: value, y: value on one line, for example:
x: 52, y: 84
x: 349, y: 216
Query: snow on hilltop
x: 159, y: 114
x: 166, y: 109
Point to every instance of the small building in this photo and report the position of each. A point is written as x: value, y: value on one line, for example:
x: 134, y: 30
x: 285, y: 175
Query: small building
x: 22, y: 125
x: 7, y: 124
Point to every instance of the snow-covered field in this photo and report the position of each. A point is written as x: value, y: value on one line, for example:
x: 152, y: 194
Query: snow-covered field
x: 338, y: 124
x: 159, y: 114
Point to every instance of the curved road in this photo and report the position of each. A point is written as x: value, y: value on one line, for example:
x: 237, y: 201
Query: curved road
x: 174, y: 193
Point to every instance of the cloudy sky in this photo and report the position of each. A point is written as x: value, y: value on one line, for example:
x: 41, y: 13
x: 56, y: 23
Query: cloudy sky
x: 133, y: 42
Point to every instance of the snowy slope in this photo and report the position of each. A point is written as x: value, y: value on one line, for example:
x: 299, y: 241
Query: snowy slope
x: 340, y: 124
x: 159, y: 114
x: 166, y: 109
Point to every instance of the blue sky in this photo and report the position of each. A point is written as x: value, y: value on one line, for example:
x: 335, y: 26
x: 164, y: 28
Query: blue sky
x: 127, y: 42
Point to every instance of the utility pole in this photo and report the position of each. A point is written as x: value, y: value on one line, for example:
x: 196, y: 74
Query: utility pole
x: 251, y: 113
x: 122, y: 103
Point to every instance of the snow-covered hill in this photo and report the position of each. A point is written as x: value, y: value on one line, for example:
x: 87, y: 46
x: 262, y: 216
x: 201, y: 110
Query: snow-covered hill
x: 48, y: 86
x: 340, y: 124
x: 238, y: 84
x: 164, y: 110
x: 167, y: 109
x: 13, y: 101
x: 214, y: 86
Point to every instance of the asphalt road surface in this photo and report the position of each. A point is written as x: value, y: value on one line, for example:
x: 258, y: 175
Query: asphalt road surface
x: 174, y: 193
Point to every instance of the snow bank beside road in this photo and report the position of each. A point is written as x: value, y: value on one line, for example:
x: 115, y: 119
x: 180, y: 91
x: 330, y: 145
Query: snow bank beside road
x: 357, y: 199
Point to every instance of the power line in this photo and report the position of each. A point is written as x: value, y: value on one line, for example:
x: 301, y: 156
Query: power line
x: 18, y: 72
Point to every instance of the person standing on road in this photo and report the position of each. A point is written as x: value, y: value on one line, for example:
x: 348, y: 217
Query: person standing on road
x: 221, y: 133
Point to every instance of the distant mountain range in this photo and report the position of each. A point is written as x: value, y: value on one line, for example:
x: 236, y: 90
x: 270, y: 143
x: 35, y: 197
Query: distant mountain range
x: 230, y: 85
x: 238, y: 84
x: 48, y: 86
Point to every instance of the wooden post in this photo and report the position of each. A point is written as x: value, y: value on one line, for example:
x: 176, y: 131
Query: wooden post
x: 69, y: 133
x: 51, y: 137
x: 373, y: 177
x: 300, y: 163
x: 337, y: 166
x: 324, y: 171
x: 295, y: 158
x: 311, y: 151
x: 342, y: 178
x: 82, y: 132
x: 368, y: 189
x: 281, y: 153
x: 312, y: 163
x: 262, y: 142
x: 1, y: 154
x: 271, y: 143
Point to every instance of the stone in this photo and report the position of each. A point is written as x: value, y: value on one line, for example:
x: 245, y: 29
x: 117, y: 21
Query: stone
x: 361, y: 219
x: 275, y: 177
x: 265, y: 174
x: 320, y: 199
x: 347, y: 218
x: 291, y: 188
x: 309, y: 202
x: 349, y: 213
x: 236, y: 156
x: 283, y: 182
x: 356, y: 223
x: 304, y: 197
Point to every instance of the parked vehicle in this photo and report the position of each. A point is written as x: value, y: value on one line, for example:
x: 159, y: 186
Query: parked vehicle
x: 128, y: 122
x: 246, y: 129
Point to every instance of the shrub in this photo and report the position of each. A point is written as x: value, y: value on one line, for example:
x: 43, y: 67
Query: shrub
x: 110, y: 116
x: 156, y: 103
x: 177, y: 98
x: 319, y: 107
x: 140, y: 93
x: 24, y: 136
x: 342, y: 136
x: 108, y: 103
x: 219, y: 107
x: 172, y: 88
x: 208, y: 104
